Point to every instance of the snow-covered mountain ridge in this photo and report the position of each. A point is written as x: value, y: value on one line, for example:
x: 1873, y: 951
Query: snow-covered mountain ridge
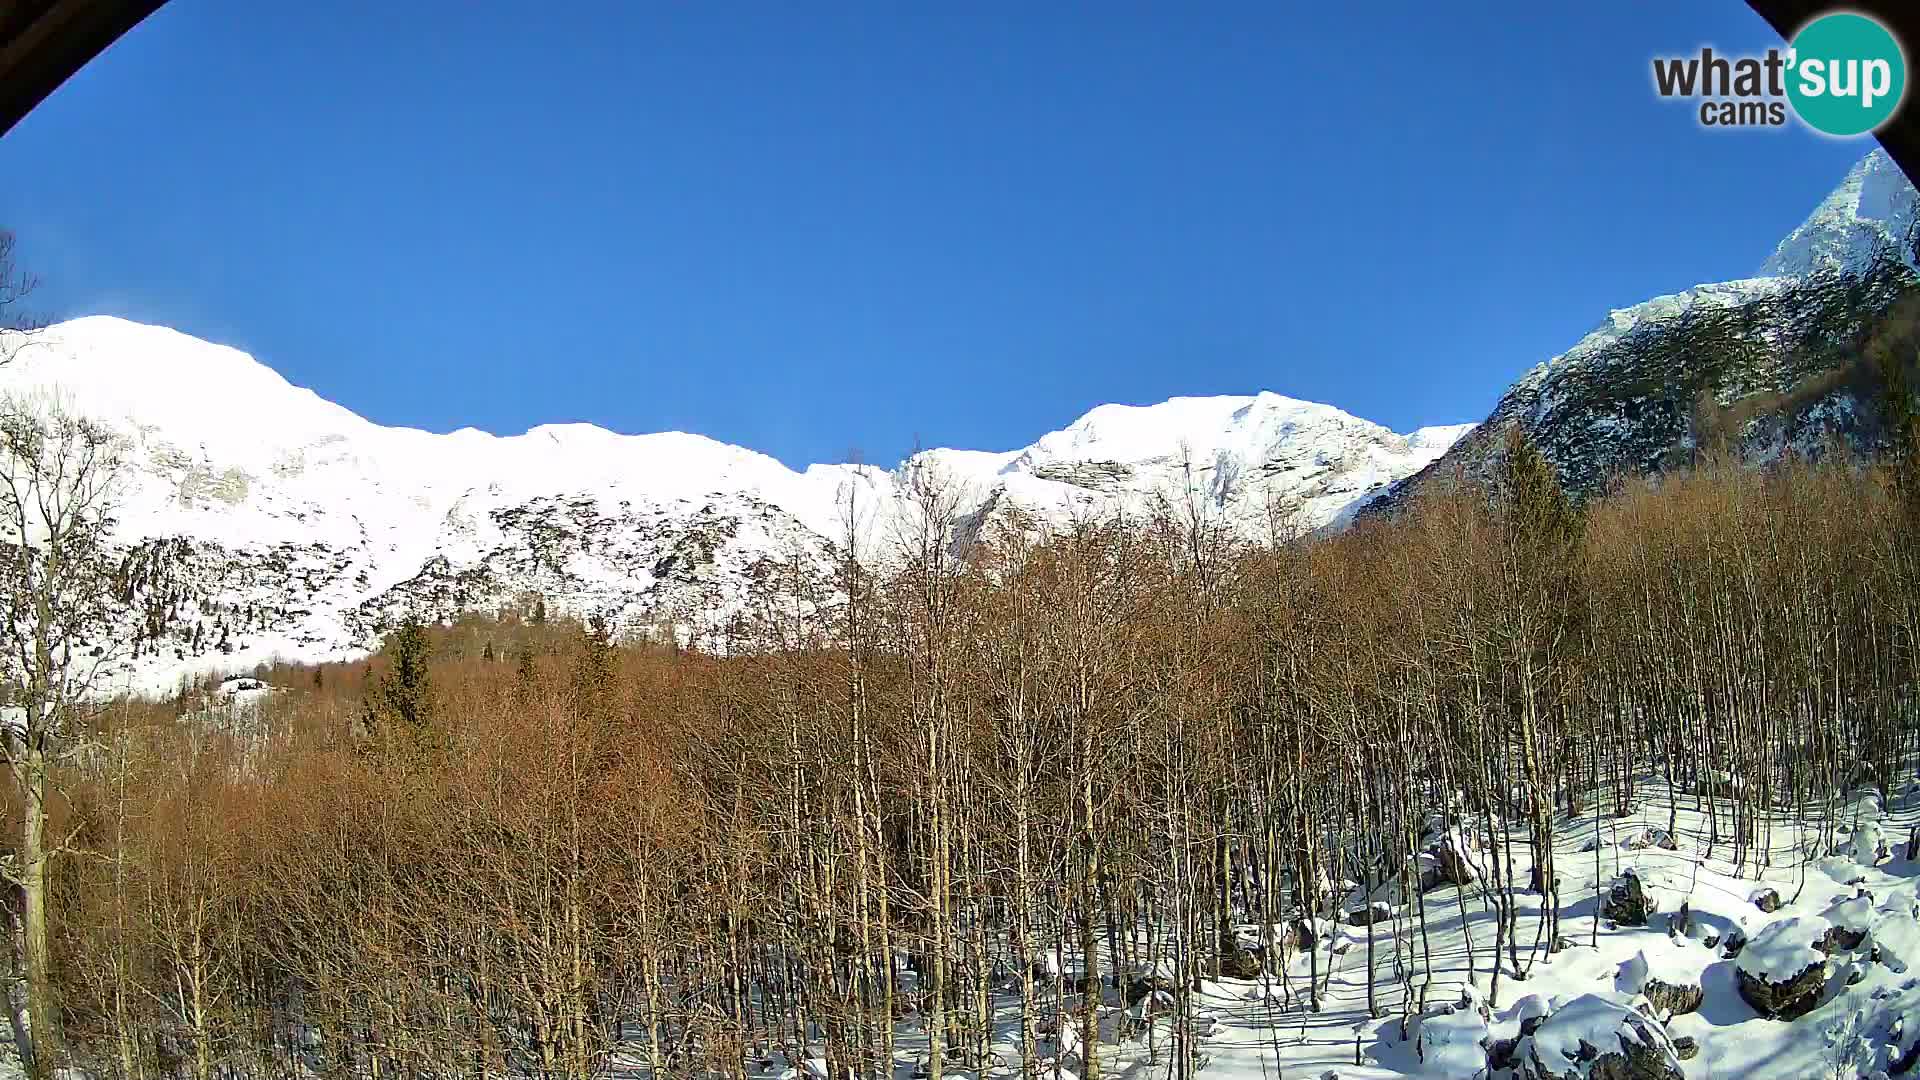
x: 265, y: 521
x: 1765, y: 363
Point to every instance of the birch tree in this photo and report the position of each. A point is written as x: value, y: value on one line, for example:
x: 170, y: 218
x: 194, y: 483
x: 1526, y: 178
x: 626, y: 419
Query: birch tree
x: 57, y: 488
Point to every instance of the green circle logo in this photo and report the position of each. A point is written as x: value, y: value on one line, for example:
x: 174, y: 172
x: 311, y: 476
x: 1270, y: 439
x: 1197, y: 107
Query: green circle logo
x: 1846, y: 74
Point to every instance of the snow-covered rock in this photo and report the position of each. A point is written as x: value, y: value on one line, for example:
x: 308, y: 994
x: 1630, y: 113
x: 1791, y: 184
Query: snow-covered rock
x: 1377, y: 911
x: 1598, y: 1036
x: 1633, y: 974
x: 1784, y: 967
x: 1896, y: 937
x: 1852, y: 920
x: 1527, y: 1010
x: 1447, y: 860
x: 1452, y: 1043
x: 1873, y: 208
x: 1866, y: 844
x: 1631, y: 898
x: 1648, y: 837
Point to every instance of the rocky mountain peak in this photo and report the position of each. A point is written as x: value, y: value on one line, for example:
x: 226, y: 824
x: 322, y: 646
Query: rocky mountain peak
x: 1765, y: 365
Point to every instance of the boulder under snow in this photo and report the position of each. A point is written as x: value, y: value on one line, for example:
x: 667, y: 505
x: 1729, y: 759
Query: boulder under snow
x: 1452, y: 1043
x: 1630, y: 901
x: 1597, y: 1037
x: 1782, y: 970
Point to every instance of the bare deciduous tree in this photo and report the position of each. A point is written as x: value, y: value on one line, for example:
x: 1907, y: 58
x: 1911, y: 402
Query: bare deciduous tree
x: 17, y: 326
x: 58, y: 476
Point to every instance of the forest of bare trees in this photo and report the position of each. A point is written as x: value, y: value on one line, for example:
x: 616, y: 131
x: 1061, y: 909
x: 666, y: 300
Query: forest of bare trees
x: 1131, y: 755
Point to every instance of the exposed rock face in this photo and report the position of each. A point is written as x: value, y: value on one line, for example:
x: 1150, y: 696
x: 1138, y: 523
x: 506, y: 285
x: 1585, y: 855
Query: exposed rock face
x: 1767, y: 900
x: 1628, y: 902
x: 1788, y: 1000
x: 1161, y: 978
x: 1596, y: 1038
x: 1760, y: 365
x: 1673, y: 999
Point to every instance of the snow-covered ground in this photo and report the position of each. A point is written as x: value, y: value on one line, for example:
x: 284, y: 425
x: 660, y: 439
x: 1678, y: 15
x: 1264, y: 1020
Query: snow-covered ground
x: 1611, y: 991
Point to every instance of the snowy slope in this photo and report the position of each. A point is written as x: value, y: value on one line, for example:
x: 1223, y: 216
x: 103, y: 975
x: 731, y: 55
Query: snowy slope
x: 267, y: 521
x: 264, y: 521
x: 1872, y: 209
x: 1626, y: 398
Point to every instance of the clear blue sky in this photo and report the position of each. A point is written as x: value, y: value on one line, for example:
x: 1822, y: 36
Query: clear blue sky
x: 823, y: 227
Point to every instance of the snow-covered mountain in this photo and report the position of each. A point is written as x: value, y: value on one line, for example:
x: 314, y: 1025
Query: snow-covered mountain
x: 1759, y: 365
x: 263, y: 521
x: 1871, y: 211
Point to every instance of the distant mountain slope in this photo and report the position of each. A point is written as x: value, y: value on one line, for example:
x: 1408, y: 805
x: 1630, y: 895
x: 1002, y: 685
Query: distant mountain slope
x: 263, y: 521
x: 1761, y: 364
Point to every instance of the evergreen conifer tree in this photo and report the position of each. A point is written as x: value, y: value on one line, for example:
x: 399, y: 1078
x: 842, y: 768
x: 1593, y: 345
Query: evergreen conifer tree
x: 404, y: 692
